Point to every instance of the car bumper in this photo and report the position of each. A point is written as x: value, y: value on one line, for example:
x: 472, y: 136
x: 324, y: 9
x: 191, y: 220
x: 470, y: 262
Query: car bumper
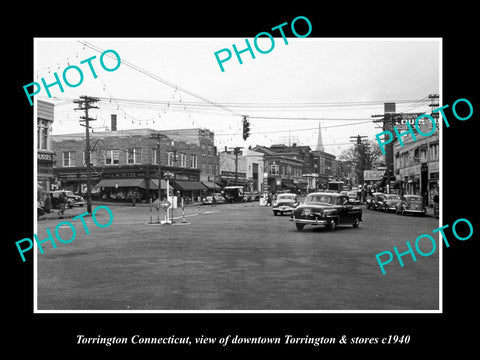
x: 311, y: 222
x: 413, y: 211
x: 283, y: 209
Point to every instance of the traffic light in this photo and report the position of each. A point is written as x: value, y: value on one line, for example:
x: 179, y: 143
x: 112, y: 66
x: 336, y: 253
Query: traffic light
x: 246, y: 128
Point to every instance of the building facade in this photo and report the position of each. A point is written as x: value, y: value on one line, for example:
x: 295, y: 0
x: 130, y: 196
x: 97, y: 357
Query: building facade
x: 248, y: 172
x: 416, y: 163
x: 127, y: 162
x: 45, y: 153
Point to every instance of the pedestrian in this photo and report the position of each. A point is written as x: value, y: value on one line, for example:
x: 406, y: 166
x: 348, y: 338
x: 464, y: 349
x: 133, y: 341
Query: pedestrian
x: 62, y: 201
x: 48, y: 203
x: 214, y: 201
x: 134, y: 198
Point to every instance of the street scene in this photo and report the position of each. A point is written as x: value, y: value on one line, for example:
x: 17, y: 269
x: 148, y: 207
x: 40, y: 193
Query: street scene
x: 235, y: 257
x: 264, y: 186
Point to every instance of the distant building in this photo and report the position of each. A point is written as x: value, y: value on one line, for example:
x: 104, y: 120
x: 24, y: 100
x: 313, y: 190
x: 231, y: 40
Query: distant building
x: 249, y: 170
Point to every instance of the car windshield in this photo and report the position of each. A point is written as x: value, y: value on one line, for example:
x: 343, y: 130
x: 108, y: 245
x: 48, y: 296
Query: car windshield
x: 319, y: 198
x: 392, y: 197
x: 414, y: 198
x: 286, y: 197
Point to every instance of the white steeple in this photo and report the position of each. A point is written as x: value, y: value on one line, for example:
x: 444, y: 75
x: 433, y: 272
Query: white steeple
x: 319, y: 141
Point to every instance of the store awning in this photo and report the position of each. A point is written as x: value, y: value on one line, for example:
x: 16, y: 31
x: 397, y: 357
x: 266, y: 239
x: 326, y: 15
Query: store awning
x: 211, y: 186
x: 154, y: 184
x: 188, y: 185
x: 122, y: 183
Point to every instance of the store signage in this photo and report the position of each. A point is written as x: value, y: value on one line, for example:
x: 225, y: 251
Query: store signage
x: 46, y: 157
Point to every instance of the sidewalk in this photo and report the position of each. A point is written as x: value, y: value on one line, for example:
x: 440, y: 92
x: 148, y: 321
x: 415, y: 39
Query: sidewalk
x: 75, y: 211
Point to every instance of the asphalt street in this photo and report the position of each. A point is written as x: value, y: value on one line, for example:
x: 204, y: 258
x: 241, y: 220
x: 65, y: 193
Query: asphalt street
x: 234, y: 257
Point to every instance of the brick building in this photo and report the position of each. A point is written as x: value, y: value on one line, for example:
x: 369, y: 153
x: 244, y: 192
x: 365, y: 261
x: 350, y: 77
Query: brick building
x: 124, y: 162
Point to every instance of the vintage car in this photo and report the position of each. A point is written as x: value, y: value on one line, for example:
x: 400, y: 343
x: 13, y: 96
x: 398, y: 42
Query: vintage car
x: 219, y: 199
x: 72, y: 199
x: 390, y: 202
x: 327, y: 209
x: 375, y: 201
x: 285, y: 203
x: 353, y: 197
x: 411, y: 204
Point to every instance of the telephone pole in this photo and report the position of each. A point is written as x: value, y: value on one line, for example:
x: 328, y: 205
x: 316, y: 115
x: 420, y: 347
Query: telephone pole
x: 84, y: 104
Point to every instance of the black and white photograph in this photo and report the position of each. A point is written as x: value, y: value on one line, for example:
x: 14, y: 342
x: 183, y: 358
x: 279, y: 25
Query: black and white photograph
x: 275, y: 194
x: 291, y: 182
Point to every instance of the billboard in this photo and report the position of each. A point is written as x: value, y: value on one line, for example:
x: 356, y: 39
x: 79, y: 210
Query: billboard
x: 374, y: 175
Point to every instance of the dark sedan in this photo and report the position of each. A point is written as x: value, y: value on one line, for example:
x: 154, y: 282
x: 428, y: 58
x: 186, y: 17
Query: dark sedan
x: 411, y: 204
x: 327, y: 209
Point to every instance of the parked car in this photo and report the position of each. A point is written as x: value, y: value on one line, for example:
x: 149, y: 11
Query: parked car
x: 327, y: 209
x: 375, y: 201
x: 72, y: 199
x: 390, y: 202
x: 219, y: 199
x: 285, y: 203
x: 411, y: 204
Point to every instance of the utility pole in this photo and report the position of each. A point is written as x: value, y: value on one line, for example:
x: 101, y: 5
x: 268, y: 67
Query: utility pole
x: 85, y: 103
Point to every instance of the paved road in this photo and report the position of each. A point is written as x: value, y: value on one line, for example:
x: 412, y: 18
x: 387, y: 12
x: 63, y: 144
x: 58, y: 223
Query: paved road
x: 235, y: 257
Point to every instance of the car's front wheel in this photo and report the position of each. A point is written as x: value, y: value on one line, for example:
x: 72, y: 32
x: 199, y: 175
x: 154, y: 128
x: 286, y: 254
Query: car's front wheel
x: 332, y: 225
x: 275, y: 213
x: 356, y: 223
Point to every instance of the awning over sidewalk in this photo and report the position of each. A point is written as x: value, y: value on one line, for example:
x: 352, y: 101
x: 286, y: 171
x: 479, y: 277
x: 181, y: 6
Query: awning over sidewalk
x: 122, y: 183
x: 188, y: 185
x: 211, y: 186
x: 154, y: 184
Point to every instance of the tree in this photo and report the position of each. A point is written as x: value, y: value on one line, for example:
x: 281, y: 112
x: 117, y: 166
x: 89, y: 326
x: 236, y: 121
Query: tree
x: 363, y: 156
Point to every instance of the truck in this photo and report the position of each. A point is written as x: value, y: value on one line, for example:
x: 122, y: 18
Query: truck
x: 336, y: 186
x: 233, y: 194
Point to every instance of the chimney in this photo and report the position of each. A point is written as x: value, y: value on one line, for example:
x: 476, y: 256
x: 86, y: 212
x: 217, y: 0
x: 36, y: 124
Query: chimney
x: 113, y: 122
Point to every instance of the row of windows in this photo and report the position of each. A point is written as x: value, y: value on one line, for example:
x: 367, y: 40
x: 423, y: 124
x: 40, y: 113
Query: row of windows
x: 418, y: 155
x: 288, y: 170
x: 133, y: 156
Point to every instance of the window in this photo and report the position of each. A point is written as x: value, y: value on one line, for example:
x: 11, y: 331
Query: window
x: 134, y: 156
x: 204, y: 149
x: 93, y: 158
x: 434, y: 151
x: 210, y: 150
x: 183, y: 160
x: 170, y: 158
x: 68, y: 158
x: 112, y: 157
x: 210, y: 168
x: 155, y: 156
x: 204, y: 167
x: 43, y: 134
x: 274, y: 170
x: 193, y: 161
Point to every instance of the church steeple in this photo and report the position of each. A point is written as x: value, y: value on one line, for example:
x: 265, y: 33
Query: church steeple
x: 320, y: 141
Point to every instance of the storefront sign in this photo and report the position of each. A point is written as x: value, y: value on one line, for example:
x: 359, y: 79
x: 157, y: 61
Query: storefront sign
x: 374, y: 175
x: 46, y: 157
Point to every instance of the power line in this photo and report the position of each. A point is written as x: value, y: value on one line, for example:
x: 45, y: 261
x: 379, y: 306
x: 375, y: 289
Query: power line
x: 163, y: 81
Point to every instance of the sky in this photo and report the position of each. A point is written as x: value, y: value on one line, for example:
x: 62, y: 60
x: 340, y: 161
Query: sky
x: 337, y: 82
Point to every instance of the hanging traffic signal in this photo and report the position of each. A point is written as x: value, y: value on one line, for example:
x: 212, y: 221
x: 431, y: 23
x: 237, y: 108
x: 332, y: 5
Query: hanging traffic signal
x: 246, y: 128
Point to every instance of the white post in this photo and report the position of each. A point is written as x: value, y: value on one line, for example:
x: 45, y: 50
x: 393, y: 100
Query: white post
x: 167, y: 221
